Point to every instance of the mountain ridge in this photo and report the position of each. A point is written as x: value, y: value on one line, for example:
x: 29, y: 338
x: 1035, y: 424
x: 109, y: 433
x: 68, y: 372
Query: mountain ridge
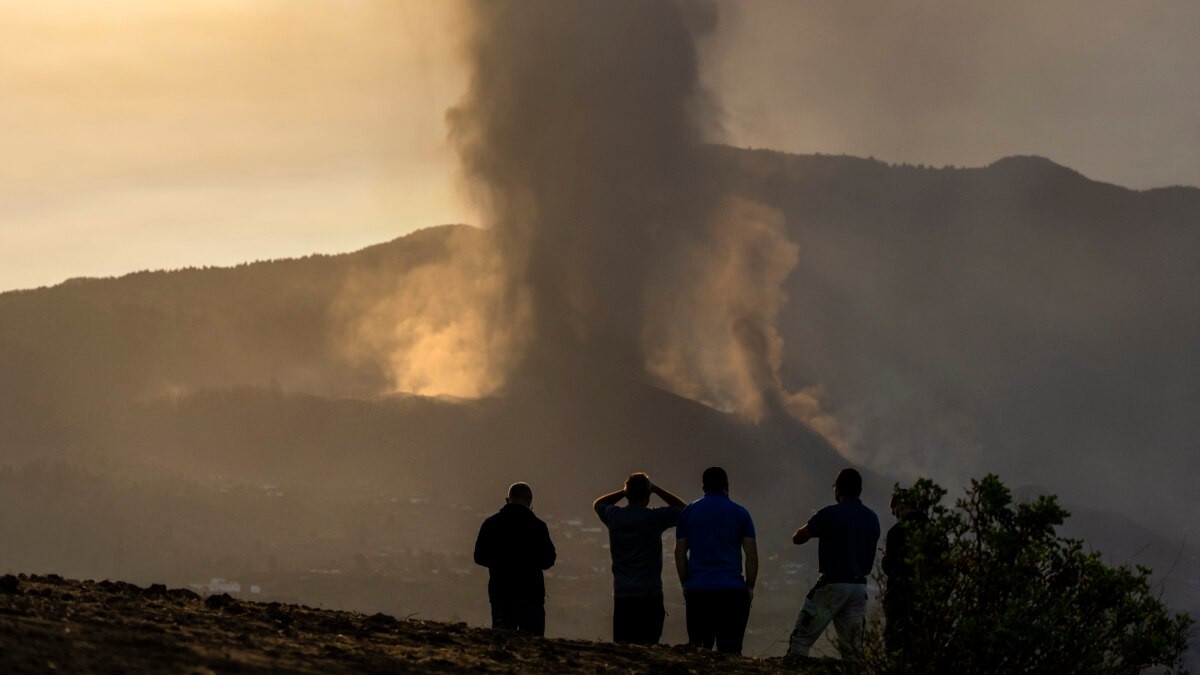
x: 1036, y: 163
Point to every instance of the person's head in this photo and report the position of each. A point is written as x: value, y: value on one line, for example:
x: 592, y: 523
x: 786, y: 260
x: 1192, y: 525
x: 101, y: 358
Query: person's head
x: 902, y: 502
x: 715, y: 480
x: 847, y: 485
x: 520, y: 493
x: 637, y: 488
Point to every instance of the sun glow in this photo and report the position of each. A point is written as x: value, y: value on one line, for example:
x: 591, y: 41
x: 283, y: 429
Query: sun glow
x: 271, y: 107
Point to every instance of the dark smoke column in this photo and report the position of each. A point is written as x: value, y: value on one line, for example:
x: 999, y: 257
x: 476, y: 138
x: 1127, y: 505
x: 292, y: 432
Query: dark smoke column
x: 575, y: 137
x: 579, y: 138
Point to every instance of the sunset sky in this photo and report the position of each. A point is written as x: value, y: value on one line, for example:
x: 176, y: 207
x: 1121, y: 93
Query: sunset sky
x: 141, y: 134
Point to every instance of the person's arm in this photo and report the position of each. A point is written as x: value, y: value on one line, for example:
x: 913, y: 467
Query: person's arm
x: 802, y: 535
x: 604, y: 501
x: 483, y: 546
x: 681, y: 560
x: 750, y: 548
x: 681, y: 545
x: 667, y: 497
x: 548, y: 553
x: 893, y: 550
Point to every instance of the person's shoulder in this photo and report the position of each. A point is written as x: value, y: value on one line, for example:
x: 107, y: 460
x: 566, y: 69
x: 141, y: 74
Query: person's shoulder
x: 868, y: 511
x: 611, y: 513
x: 494, y: 519
x: 825, y: 515
x: 665, y: 516
x: 688, y: 511
x: 855, y: 507
x: 744, y: 520
x: 537, y: 525
x: 871, y: 518
x: 829, y: 510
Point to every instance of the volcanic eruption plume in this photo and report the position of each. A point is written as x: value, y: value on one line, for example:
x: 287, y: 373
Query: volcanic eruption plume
x: 616, y: 252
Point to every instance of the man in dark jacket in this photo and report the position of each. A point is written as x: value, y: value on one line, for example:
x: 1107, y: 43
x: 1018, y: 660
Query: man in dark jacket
x: 515, y: 546
x: 911, y: 551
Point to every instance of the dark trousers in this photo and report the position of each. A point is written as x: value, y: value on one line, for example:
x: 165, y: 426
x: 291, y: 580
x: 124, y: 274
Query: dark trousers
x: 717, y: 616
x: 638, y: 620
x: 898, y: 612
x: 520, y: 618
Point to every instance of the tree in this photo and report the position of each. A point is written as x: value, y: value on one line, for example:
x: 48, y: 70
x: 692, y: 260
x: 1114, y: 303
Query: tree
x: 997, y: 590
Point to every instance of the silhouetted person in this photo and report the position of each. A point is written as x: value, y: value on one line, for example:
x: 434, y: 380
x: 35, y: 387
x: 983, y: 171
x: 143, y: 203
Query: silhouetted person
x: 635, y: 541
x: 515, y: 546
x: 848, y: 532
x: 898, y: 594
x: 900, y: 563
x: 712, y: 535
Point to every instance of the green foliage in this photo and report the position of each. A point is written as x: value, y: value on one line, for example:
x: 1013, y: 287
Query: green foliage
x: 997, y: 590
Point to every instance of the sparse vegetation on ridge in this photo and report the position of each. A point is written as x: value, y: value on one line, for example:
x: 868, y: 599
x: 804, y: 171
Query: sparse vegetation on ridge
x: 998, y: 590
x: 48, y: 623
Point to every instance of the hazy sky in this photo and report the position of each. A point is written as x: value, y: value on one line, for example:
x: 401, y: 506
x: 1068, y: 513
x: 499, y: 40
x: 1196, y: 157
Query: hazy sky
x: 141, y: 134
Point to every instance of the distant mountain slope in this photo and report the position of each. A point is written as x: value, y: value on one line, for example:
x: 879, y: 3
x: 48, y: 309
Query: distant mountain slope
x: 1005, y: 317
x: 1018, y: 317
x: 579, y: 445
x: 91, y: 341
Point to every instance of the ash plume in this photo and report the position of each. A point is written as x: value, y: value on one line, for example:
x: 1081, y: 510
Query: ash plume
x: 434, y: 328
x: 574, y: 138
x: 577, y: 139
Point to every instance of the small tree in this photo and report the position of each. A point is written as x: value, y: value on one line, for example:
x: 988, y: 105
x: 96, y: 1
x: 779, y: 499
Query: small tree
x: 997, y: 590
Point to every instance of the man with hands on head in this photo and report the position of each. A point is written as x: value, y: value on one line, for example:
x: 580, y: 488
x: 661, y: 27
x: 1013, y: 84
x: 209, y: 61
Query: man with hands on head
x: 713, y: 534
x: 635, y: 541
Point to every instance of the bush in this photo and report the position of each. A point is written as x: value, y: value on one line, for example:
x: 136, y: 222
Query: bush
x: 996, y: 590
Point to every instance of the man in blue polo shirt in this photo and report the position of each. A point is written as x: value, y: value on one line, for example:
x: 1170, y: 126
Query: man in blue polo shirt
x: 712, y: 534
x: 848, y: 532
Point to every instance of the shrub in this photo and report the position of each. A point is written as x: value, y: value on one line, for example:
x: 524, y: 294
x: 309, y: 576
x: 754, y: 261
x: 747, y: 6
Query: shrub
x: 997, y: 590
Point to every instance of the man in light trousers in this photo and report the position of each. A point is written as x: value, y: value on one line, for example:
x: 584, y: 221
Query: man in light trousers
x: 848, y: 533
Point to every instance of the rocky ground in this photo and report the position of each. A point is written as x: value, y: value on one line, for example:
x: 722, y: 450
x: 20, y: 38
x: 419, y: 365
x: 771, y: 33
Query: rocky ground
x: 48, y: 623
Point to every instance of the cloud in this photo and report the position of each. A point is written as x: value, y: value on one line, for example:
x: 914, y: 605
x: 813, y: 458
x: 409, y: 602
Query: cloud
x: 112, y: 108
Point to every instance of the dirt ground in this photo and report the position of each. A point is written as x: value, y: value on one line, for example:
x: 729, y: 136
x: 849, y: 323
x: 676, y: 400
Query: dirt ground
x: 48, y: 623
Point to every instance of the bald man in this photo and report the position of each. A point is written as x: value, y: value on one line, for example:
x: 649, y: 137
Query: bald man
x: 515, y: 546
